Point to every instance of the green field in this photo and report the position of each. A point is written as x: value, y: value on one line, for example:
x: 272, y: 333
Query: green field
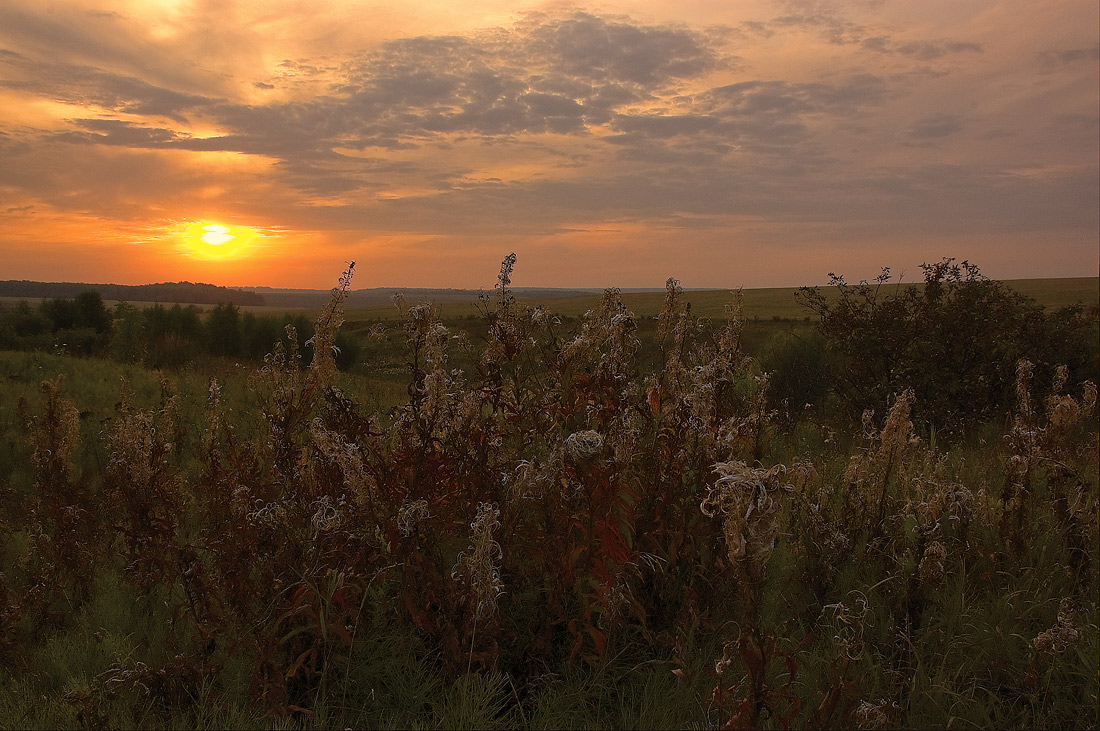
x: 766, y: 303
x: 758, y: 303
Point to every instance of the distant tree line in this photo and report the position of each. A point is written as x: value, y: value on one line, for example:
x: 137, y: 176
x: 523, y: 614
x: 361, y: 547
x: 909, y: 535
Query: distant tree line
x: 197, y: 293
x: 157, y: 336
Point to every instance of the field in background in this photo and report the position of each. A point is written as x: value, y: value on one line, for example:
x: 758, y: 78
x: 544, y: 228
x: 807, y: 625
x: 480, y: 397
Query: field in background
x: 758, y: 303
x: 375, y: 305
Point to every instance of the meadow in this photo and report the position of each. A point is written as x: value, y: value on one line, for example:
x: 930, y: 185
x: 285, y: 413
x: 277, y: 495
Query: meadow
x: 867, y: 506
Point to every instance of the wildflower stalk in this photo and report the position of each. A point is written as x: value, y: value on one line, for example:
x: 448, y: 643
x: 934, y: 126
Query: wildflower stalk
x: 324, y: 334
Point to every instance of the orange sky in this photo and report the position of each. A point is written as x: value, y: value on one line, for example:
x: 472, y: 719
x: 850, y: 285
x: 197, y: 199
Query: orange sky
x: 726, y: 144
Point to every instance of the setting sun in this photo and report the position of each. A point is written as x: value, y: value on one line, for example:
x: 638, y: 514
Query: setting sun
x: 205, y: 240
x: 216, y: 235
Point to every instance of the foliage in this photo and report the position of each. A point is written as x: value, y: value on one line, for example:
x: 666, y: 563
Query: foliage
x: 157, y: 336
x: 955, y: 341
x: 554, y: 534
x: 800, y: 368
x: 80, y: 326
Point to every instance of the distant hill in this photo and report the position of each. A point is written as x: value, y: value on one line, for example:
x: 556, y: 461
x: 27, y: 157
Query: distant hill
x: 196, y: 293
x: 1052, y: 293
x: 314, y: 298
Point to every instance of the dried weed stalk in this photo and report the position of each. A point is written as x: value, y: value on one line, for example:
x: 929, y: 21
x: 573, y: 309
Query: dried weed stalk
x: 478, y: 566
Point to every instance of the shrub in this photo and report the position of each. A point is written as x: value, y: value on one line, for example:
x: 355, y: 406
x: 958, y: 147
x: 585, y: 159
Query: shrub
x: 799, y: 369
x: 955, y: 342
x: 223, y: 330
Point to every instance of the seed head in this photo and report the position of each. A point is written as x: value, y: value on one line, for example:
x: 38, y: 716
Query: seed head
x: 584, y: 445
x: 410, y: 515
x: 324, y: 334
x: 55, y: 436
x: 932, y: 563
x: 746, y: 498
x: 1061, y: 636
x: 477, y: 567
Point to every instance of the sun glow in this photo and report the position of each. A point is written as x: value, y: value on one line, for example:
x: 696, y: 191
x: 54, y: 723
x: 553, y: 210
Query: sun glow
x: 206, y: 240
x: 216, y: 235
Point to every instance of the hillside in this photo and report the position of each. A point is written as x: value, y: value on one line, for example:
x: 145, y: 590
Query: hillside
x: 195, y: 293
x: 762, y: 302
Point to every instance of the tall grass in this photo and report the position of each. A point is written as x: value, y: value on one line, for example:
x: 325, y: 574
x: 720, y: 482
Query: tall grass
x: 605, y: 524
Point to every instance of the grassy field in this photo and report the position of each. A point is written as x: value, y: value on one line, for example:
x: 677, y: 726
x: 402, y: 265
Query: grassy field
x: 758, y: 303
x: 766, y: 303
x: 259, y: 309
x: 505, y: 521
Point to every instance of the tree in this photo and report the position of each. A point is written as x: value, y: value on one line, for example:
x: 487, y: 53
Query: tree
x: 63, y: 314
x: 223, y: 330
x: 91, y: 312
x: 185, y: 322
x: 26, y: 321
x: 128, y: 343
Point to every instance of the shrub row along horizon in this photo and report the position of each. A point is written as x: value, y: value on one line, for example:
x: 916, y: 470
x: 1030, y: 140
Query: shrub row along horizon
x: 156, y: 336
x: 555, y: 505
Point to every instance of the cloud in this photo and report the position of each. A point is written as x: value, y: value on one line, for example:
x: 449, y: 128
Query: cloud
x: 823, y: 19
x: 559, y: 76
x: 661, y: 126
x: 116, y: 132
x: 1069, y: 56
x: 89, y: 86
x: 562, y: 121
x: 923, y: 50
x: 63, y: 36
x: 934, y: 126
x: 764, y: 98
x: 931, y: 50
x: 585, y: 46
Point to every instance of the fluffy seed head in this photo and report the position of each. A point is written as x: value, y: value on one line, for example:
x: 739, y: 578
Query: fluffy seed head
x: 478, y: 566
x: 584, y: 445
x: 746, y: 498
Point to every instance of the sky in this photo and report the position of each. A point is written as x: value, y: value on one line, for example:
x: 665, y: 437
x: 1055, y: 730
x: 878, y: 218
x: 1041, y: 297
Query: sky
x: 726, y: 144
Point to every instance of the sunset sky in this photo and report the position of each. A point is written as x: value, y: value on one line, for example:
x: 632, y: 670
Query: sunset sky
x: 724, y: 143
